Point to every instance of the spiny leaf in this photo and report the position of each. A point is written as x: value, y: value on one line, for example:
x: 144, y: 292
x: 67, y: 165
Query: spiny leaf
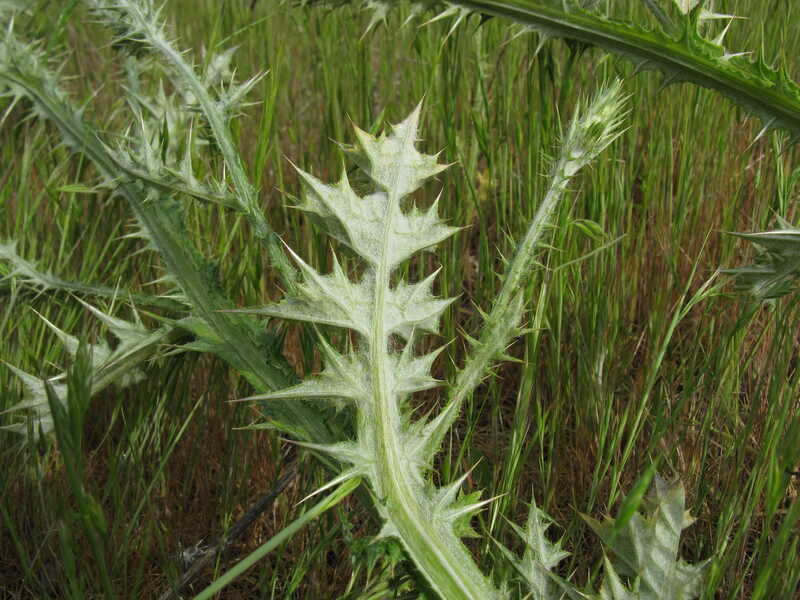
x: 34, y: 401
x: 678, y: 49
x: 377, y: 378
x: 120, y: 366
x: 411, y: 307
x: 540, y: 557
x: 357, y: 222
x: 141, y: 30
x: 23, y: 72
x: 325, y: 299
x: 412, y: 374
x: 646, y: 547
x: 592, y: 129
x: 777, y: 264
x: 392, y: 161
x: 613, y: 588
x: 455, y: 509
x: 347, y: 452
x: 343, y: 379
x: 335, y: 300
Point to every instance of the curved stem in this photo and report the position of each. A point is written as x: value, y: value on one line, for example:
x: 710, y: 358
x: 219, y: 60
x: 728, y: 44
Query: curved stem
x: 690, y: 58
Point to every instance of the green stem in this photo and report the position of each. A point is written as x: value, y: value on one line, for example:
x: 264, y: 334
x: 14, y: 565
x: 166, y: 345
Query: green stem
x: 434, y: 548
x: 590, y: 131
x: 689, y: 58
x: 238, y: 336
x: 246, y: 194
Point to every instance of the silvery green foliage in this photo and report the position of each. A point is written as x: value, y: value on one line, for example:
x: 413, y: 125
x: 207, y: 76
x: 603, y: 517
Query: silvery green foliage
x: 776, y: 266
x: 160, y: 216
x: 28, y: 275
x: 593, y: 128
x: 34, y: 404
x: 148, y: 155
x: 158, y: 149
x: 21, y: 68
x: 25, y: 271
x: 139, y: 30
x: 679, y: 44
x: 392, y: 450
x: 378, y: 376
x: 119, y: 366
x: 212, y: 94
x: 540, y: 558
x: 169, y: 125
x: 646, y: 550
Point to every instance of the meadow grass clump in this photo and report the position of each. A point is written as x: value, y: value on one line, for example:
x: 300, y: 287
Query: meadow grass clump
x: 558, y: 351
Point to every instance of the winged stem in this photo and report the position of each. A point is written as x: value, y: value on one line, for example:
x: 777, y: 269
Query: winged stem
x: 676, y: 47
x: 441, y: 557
x: 237, y: 340
x: 139, y: 24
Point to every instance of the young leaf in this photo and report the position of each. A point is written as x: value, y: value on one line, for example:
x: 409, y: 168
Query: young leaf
x: 120, y: 366
x: 541, y: 556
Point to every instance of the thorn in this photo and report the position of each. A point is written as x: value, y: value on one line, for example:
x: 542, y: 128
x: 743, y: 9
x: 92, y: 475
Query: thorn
x: 767, y: 126
x: 473, y: 508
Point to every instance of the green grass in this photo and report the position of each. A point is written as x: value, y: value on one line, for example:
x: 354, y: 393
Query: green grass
x: 630, y: 359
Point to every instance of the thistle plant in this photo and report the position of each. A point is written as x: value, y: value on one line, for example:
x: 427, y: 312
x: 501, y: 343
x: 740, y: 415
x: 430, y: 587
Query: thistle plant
x: 394, y: 451
x: 677, y: 42
x: 378, y: 371
x: 776, y: 266
x: 134, y: 172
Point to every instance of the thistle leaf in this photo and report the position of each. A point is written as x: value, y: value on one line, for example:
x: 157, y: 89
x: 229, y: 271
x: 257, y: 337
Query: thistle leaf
x: 23, y: 74
x: 677, y: 47
x: 540, y: 557
x: 325, y: 299
x: 30, y: 275
x: 120, y: 366
x: 34, y: 401
x: 646, y: 548
x: 777, y: 264
x: 343, y: 379
x: 357, y: 222
x: 392, y: 160
x: 390, y: 449
x: 613, y: 588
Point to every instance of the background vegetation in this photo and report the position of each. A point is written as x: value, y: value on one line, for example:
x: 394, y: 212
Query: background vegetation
x: 633, y: 356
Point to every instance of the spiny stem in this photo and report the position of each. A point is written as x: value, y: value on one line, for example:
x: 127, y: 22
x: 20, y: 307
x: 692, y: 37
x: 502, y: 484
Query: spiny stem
x: 590, y: 132
x: 448, y: 567
x: 235, y: 337
x: 145, y: 22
